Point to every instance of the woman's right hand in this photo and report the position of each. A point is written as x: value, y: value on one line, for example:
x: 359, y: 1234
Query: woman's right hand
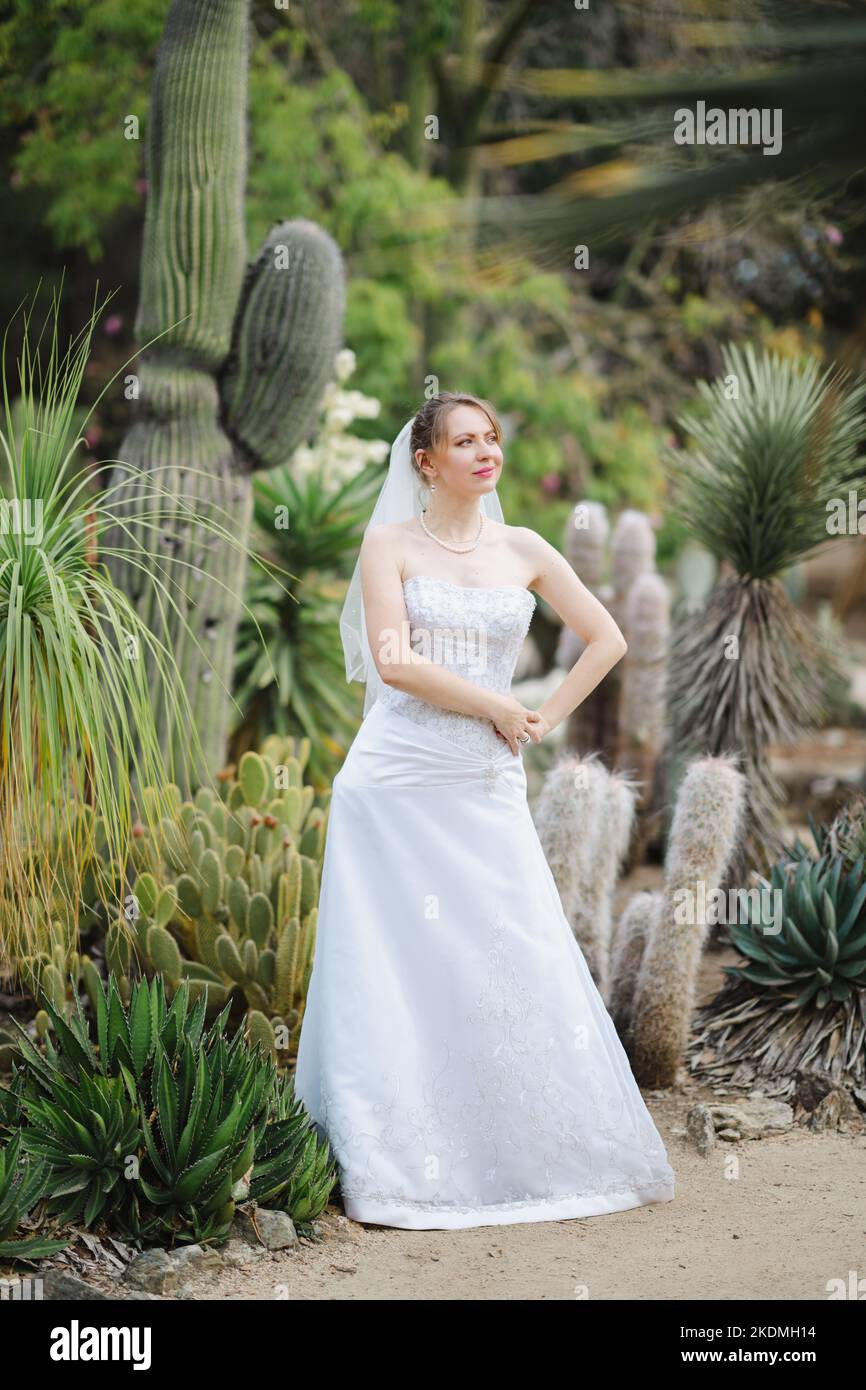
x: 514, y: 722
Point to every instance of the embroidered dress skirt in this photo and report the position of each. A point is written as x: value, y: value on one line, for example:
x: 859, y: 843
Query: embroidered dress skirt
x: 455, y: 1049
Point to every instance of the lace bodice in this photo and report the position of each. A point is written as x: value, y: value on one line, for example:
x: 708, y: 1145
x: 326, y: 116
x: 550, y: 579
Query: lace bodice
x: 477, y: 632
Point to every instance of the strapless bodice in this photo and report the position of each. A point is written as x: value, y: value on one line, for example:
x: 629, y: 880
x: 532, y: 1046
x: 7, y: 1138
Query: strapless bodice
x: 476, y: 632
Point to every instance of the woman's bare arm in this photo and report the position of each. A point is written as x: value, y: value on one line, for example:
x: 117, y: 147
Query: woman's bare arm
x: 581, y: 611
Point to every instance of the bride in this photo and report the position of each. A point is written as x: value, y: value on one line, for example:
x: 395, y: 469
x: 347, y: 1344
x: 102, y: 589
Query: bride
x: 455, y: 1050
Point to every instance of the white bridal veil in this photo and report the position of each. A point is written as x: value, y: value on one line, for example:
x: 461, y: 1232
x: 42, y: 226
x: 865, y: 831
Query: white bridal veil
x: 399, y: 499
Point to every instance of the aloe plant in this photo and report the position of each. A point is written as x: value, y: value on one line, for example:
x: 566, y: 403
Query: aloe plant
x: 22, y: 1184
x: 293, y: 1171
x: 87, y: 1133
x: 151, y: 1124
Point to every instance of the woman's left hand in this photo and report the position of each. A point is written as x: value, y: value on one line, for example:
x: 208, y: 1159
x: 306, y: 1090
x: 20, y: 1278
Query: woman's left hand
x: 537, y: 727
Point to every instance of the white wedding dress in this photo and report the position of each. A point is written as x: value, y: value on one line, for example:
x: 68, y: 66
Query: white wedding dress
x: 455, y: 1050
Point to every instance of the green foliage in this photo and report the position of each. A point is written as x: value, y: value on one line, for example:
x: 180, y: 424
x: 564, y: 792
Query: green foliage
x: 77, y: 731
x: 85, y: 1131
x: 60, y: 920
x: 152, y: 1125
x: 73, y: 73
x: 778, y: 439
x: 817, y: 955
x: 22, y: 1183
x: 293, y: 1171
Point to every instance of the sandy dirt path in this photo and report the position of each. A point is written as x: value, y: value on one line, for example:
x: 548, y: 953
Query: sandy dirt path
x: 793, y: 1218
x: 773, y: 1218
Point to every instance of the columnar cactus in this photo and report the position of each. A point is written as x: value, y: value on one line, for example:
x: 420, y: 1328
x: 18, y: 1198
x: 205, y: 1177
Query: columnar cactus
x: 242, y: 358
x: 584, y: 816
x: 707, y: 821
x: 644, y: 692
x: 584, y: 545
x: 630, y: 937
x: 228, y: 901
x: 595, y: 724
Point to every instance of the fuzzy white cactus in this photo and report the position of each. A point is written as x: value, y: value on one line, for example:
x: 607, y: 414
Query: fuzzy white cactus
x: 708, y: 819
x: 629, y: 943
x: 585, y: 547
x: 644, y: 695
x: 584, y: 816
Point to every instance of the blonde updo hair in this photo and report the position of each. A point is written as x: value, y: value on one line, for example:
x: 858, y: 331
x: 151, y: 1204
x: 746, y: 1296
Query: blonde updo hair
x: 429, y: 426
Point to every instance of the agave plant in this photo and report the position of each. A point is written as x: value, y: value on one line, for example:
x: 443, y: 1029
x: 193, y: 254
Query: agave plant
x: 76, y: 709
x: 152, y: 1124
x: 776, y: 442
x: 800, y: 1001
x: 819, y: 953
x: 201, y: 1139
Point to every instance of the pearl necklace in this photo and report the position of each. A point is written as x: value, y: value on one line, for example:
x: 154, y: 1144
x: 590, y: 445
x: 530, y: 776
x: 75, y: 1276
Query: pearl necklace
x: 456, y: 548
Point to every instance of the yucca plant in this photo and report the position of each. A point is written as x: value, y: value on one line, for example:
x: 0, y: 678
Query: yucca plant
x: 776, y: 441
x: 621, y: 170
x: 77, y: 727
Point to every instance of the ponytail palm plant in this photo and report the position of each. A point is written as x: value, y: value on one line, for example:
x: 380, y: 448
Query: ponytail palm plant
x: 776, y: 442
x: 77, y: 730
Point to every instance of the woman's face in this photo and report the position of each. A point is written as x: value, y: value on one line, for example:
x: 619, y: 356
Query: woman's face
x: 469, y: 461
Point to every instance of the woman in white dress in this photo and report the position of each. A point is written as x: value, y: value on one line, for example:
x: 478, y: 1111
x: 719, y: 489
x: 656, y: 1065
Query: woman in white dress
x: 455, y: 1050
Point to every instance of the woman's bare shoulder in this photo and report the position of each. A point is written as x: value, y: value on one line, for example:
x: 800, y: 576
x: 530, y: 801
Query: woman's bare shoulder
x: 385, y: 534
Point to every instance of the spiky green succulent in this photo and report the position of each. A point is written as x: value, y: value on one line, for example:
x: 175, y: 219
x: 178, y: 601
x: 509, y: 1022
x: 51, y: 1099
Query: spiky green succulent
x: 87, y: 1132
x: 149, y: 1122
x: 23, y: 1182
x: 293, y: 1170
x: 818, y: 954
x: 228, y: 901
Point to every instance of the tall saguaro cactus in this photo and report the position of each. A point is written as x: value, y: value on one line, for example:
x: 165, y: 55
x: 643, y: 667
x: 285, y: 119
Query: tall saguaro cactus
x: 243, y: 356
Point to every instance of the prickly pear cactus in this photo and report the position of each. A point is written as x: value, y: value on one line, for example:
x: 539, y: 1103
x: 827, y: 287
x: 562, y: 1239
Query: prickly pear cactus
x: 241, y: 360
x: 229, y: 899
